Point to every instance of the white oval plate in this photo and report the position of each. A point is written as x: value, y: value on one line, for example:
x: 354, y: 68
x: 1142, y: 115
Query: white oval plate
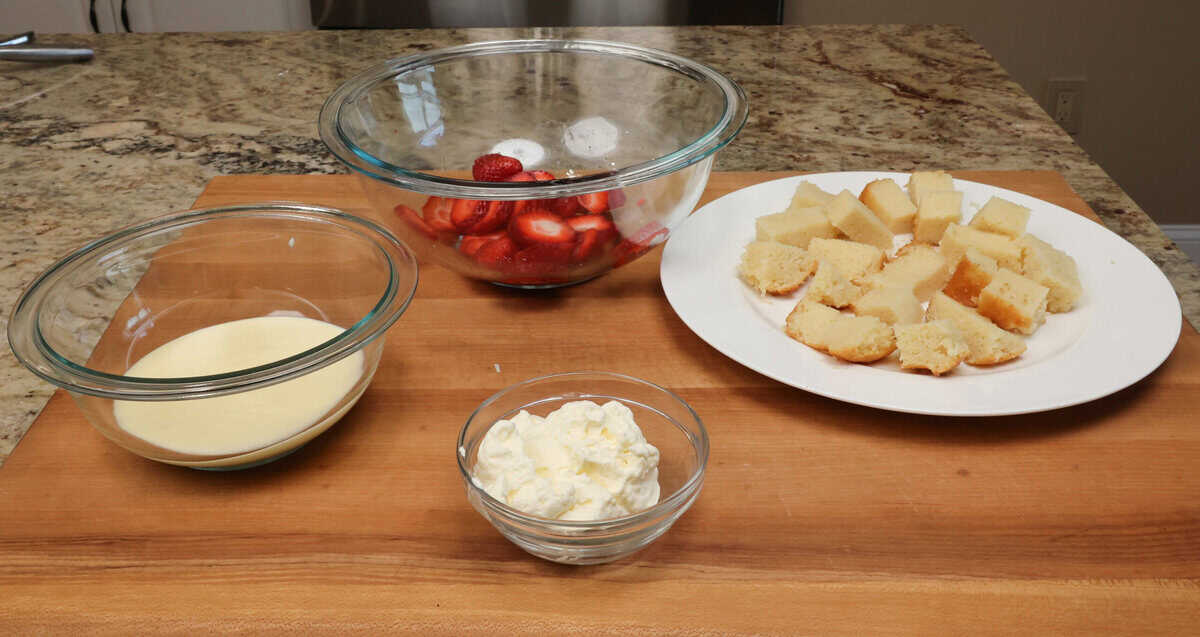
x: 1123, y: 328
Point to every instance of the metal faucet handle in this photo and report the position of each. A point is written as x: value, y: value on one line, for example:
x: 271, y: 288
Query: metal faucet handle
x: 12, y: 49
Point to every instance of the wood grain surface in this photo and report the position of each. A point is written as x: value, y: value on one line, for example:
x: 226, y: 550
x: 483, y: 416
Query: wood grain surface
x: 817, y: 517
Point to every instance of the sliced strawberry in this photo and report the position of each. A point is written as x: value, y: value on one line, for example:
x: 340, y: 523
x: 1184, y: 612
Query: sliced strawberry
x: 600, y: 223
x: 470, y: 245
x: 550, y: 254
x: 566, y: 206
x: 497, y: 253
x: 539, y: 226
x: 530, y: 204
x: 495, y: 167
x: 531, y: 175
x: 521, y: 176
x: 595, y: 201
x: 629, y: 249
x: 588, y: 246
x: 535, y: 175
x: 495, y: 216
x: 471, y: 216
x: 542, y: 260
x: 437, y: 213
x: 616, y: 198
x: 413, y: 219
x: 465, y: 212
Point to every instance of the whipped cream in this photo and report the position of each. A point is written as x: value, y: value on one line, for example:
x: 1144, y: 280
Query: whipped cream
x: 583, y: 461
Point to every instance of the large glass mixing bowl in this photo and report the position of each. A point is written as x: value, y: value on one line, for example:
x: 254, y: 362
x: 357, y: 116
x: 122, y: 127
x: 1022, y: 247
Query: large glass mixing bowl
x: 616, y: 143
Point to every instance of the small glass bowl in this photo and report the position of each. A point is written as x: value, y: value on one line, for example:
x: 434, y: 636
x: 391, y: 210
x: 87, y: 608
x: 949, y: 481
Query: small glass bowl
x: 665, y: 419
x: 90, y: 317
x: 627, y: 133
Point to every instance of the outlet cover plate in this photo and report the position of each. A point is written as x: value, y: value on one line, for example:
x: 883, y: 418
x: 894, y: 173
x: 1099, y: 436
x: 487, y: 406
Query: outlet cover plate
x: 1064, y: 102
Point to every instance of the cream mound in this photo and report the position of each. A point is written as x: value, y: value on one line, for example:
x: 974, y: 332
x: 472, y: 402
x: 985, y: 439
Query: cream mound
x: 582, y: 461
x: 246, y: 421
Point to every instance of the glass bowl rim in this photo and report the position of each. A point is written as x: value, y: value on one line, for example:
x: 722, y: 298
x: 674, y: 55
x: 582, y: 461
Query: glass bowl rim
x: 732, y: 119
x: 666, y: 505
x: 31, y: 349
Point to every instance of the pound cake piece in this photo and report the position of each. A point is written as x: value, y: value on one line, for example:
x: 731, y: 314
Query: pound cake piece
x: 894, y: 306
x: 856, y: 221
x: 1052, y: 268
x: 923, y: 182
x: 775, y: 268
x: 860, y: 339
x: 918, y: 267
x: 794, y: 226
x: 853, y: 260
x: 1003, y: 249
x: 937, y: 210
x: 808, y: 195
x: 1014, y: 302
x: 885, y: 198
x: 936, y: 346
x: 973, y: 272
x: 988, y: 344
x: 809, y: 322
x: 830, y: 287
x: 1002, y: 217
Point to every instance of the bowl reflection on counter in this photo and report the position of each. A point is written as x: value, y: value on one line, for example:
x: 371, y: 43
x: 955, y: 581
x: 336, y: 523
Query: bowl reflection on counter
x: 84, y: 322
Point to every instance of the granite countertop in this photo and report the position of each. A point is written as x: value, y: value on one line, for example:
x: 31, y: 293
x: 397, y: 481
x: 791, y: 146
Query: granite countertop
x: 138, y: 131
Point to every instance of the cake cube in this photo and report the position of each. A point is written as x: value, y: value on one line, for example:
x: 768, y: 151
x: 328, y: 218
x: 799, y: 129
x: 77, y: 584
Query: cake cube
x: 989, y: 344
x: 856, y: 221
x: 892, y: 305
x: 794, y: 226
x: 923, y: 182
x: 831, y: 287
x: 1003, y: 249
x: 937, y: 210
x: 853, y: 260
x: 775, y: 268
x: 1014, y: 302
x: 860, y: 339
x: 918, y: 267
x: 936, y: 346
x: 1052, y: 268
x: 809, y: 323
x: 973, y: 272
x: 885, y: 198
x: 1002, y: 217
x: 808, y: 195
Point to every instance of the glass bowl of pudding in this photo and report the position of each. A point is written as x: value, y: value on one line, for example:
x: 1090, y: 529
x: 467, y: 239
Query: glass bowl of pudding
x: 220, y: 338
x: 533, y: 163
x: 583, y: 467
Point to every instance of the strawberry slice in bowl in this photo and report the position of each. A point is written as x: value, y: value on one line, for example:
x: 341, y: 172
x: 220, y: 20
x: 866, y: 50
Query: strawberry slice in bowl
x: 603, y: 226
x: 469, y: 245
x: 414, y: 220
x: 594, y: 202
x: 436, y: 212
x: 474, y: 217
x: 539, y: 226
x: 566, y: 206
x: 495, y: 167
x: 496, y: 254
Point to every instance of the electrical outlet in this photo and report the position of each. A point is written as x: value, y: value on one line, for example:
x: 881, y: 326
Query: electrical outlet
x: 1064, y: 102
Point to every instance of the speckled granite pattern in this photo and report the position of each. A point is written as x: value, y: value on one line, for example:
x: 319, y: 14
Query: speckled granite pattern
x: 138, y: 131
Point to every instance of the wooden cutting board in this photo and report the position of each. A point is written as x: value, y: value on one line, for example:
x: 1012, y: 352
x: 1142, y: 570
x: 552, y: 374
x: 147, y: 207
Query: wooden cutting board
x: 816, y: 516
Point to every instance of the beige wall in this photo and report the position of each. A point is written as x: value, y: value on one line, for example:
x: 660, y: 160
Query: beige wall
x: 1141, y: 117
